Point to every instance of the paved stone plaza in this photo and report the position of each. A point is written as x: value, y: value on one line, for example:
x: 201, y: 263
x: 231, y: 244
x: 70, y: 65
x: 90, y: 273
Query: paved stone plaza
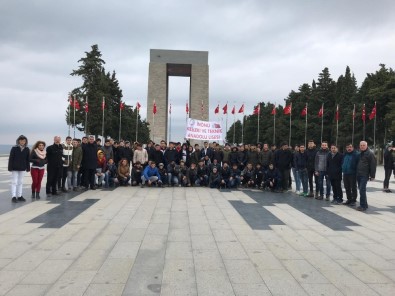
x: 194, y: 241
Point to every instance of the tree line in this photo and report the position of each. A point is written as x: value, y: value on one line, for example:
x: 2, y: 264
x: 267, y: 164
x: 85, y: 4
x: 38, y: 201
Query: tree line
x: 377, y: 87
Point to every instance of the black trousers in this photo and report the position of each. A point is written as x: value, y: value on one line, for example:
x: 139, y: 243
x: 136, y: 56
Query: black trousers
x: 64, y: 176
x: 89, y: 175
x: 337, y: 189
x: 350, y: 184
x: 53, y: 175
x: 285, y: 175
x: 311, y: 175
x: 387, y: 177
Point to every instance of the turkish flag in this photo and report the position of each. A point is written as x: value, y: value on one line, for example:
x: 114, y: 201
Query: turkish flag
x: 76, y: 105
x: 216, y: 111
x: 241, y: 110
x: 288, y: 109
x: 103, y: 104
x: 373, y: 113
x: 138, y: 106
x: 257, y: 109
x: 154, y: 108
x: 363, y: 113
x: 86, y: 107
x: 321, y: 112
x: 304, y: 111
x: 337, y: 113
x: 274, y: 111
x: 187, y: 108
x: 121, y: 106
x: 234, y: 110
x: 225, y: 109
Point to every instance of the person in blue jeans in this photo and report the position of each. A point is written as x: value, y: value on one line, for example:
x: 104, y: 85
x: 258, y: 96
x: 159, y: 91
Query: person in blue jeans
x: 320, y: 171
x: 300, y: 165
x: 366, y: 171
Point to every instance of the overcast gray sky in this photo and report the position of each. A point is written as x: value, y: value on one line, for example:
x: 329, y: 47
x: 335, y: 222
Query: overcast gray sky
x: 258, y: 51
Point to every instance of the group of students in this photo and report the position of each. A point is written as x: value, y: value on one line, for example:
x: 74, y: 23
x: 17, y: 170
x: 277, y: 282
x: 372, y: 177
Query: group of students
x: 83, y: 164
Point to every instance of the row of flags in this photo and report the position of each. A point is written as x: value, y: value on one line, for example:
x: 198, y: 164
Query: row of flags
x: 288, y: 111
x: 74, y: 103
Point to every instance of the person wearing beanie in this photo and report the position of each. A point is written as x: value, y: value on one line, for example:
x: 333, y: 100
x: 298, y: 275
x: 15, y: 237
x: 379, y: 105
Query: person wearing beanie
x: 18, y: 164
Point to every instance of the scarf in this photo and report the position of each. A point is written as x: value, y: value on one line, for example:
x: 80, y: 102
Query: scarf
x: 40, y: 154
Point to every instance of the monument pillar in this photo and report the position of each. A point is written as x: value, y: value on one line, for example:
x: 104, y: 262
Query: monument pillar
x: 165, y: 63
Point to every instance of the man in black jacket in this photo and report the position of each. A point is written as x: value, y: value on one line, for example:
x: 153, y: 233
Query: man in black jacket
x: 334, y: 171
x: 89, y: 162
x: 283, y: 159
x: 366, y: 171
x: 54, y: 165
x: 311, y: 152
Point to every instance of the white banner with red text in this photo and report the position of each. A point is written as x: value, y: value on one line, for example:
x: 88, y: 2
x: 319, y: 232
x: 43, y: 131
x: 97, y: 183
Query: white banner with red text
x: 203, y: 130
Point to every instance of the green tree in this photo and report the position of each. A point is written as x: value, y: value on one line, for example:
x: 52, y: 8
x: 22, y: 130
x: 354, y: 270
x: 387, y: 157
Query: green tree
x: 98, y: 84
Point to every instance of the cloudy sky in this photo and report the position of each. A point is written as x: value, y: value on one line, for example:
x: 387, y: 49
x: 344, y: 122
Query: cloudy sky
x: 258, y: 50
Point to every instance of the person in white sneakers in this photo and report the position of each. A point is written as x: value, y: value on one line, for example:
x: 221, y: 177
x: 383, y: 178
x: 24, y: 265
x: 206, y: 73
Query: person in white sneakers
x: 18, y: 164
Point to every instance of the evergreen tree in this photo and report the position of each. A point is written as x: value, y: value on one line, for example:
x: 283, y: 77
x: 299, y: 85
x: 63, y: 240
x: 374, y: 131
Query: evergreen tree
x: 98, y: 84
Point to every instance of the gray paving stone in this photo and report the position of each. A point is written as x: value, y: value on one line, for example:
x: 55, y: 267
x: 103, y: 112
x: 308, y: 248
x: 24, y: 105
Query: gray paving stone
x: 31, y: 290
x: 207, y: 260
x: 178, y: 241
x: 213, y: 283
x: 281, y: 282
x: 251, y: 290
x: 321, y: 289
x: 242, y: 272
x: 104, y: 289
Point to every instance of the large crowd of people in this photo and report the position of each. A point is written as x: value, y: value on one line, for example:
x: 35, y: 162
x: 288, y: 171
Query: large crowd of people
x: 89, y: 164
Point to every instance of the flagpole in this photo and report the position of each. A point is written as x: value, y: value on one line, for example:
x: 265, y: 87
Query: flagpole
x: 274, y: 125
x: 290, y: 127
x: 86, y: 116
x: 234, y: 121
x: 305, y: 128
x: 102, y: 126
x: 242, y: 127
x: 75, y: 98
x: 170, y: 123
x: 70, y: 98
x: 137, y: 121
x: 364, y: 122
x: 226, y: 126
x: 337, y: 123
x: 120, y: 121
x: 353, y: 125
x: 259, y: 113
x: 374, y: 129
x: 322, y: 120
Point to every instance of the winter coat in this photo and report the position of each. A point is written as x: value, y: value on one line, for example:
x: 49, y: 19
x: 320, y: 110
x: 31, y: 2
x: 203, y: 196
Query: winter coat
x: 265, y: 157
x: 350, y: 162
x: 300, y: 161
x: 321, y: 160
x: 171, y: 155
x: 252, y: 157
x: 123, y: 171
x: 334, y: 166
x: 149, y: 172
x: 283, y: 159
x: 141, y: 156
x: 389, y: 159
x: 19, y: 159
x: 311, y: 153
x: 89, y: 156
x: 67, y: 154
x: 55, y: 155
x: 36, y: 161
x: 366, y: 164
x: 76, y: 159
